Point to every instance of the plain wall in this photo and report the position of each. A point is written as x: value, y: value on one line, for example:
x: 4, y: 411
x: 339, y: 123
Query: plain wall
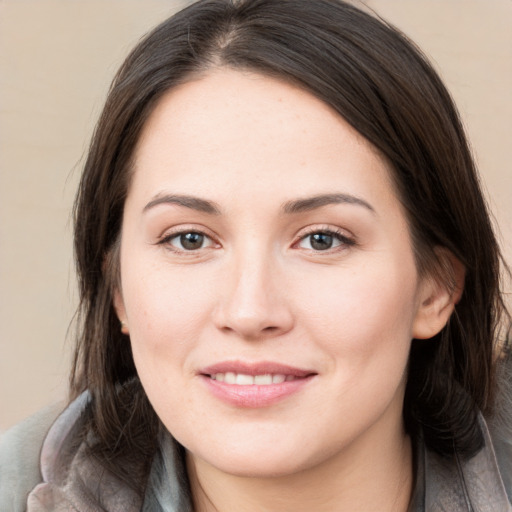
x: 57, y: 58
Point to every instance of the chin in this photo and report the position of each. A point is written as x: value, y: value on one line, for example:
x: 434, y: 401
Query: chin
x: 259, y: 460
x: 262, y: 466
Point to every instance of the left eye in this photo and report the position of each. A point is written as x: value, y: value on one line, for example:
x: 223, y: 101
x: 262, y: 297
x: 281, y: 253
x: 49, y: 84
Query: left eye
x: 323, y: 241
x: 190, y: 241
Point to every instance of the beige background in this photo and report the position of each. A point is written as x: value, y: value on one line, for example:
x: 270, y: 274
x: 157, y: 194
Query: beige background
x: 57, y: 58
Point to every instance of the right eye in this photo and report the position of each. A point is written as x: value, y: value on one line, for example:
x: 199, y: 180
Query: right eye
x: 187, y: 241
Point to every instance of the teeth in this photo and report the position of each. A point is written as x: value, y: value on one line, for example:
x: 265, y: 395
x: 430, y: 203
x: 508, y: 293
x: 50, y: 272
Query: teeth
x: 230, y: 378
x: 242, y: 379
x: 263, y: 380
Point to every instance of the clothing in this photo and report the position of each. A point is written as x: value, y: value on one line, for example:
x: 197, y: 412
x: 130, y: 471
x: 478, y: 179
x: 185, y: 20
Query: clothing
x: 70, y: 480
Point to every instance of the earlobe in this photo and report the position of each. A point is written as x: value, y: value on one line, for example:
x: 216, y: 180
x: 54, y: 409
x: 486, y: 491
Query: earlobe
x: 124, y: 328
x: 120, y: 311
x: 438, y: 296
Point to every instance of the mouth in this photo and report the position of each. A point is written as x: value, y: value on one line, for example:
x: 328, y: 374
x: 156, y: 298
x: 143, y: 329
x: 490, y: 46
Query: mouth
x: 254, y: 384
x: 243, y: 379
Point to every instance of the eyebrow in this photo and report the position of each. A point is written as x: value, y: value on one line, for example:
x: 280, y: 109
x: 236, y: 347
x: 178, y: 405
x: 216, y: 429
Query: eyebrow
x: 194, y: 203
x: 290, y: 207
x: 312, y: 203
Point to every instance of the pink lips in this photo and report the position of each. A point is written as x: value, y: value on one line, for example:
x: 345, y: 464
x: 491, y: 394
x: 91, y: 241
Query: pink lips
x: 254, y: 395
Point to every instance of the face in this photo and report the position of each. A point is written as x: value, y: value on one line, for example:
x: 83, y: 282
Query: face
x: 268, y: 281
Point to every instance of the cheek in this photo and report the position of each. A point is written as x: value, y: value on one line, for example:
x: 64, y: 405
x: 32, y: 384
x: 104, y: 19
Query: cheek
x: 166, y: 311
x: 166, y: 316
x: 360, y: 313
x: 362, y: 324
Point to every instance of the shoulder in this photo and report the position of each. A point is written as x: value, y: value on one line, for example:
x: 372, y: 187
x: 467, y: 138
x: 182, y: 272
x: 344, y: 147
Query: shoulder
x: 20, y: 449
x: 500, y: 424
x: 503, y: 451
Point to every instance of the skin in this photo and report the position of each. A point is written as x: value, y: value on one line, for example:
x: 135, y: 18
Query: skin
x: 258, y: 290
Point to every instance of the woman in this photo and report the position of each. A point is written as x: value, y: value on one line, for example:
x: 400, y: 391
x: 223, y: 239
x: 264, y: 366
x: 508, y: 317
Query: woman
x: 289, y: 281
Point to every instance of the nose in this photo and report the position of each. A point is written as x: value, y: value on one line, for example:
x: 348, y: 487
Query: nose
x: 254, y: 302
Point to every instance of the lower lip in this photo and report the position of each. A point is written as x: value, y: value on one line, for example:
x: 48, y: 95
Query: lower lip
x: 254, y: 396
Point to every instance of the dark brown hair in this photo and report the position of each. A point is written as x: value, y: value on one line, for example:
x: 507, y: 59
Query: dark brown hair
x: 383, y: 86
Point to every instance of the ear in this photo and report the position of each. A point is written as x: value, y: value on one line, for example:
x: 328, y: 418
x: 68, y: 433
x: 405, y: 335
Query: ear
x: 110, y: 269
x: 438, y: 295
x: 120, y: 310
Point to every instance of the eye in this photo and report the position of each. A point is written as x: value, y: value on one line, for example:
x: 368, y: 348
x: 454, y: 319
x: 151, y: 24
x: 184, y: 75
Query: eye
x: 188, y: 241
x: 324, y: 240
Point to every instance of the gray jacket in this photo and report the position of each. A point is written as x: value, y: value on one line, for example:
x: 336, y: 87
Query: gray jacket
x: 43, y: 468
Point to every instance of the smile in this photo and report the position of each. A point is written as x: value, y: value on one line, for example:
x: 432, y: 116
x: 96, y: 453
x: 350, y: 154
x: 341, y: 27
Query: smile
x: 254, y: 385
x: 243, y: 379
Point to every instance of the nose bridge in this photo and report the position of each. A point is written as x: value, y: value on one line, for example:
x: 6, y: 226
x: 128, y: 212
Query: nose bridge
x: 252, y: 280
x: 253, y: 304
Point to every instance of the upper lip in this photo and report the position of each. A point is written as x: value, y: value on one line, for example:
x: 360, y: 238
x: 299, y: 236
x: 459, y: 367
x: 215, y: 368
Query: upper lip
x: 255, y: 368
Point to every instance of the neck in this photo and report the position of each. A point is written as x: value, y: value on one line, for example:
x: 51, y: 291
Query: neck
x: 374, y: 477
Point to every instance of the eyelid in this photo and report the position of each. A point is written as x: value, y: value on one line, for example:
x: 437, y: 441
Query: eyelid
x: 346, y: 238
x: 176, y: 231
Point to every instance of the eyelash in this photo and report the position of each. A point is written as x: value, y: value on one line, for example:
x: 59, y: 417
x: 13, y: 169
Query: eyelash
x: 345, y: 241
x: 166, y: 240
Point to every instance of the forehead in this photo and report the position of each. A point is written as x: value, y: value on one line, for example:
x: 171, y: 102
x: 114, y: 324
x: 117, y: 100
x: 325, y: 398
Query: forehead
x: 242, y: 126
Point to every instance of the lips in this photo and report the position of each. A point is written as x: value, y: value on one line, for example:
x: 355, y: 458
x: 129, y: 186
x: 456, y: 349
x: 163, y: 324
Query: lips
x: 243, y: 379
x: 255, y: 369
x: 254, y: 384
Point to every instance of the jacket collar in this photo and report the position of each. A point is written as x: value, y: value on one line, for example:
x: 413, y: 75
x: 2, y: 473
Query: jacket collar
x: 453, y: 484
x: 73, y: 480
